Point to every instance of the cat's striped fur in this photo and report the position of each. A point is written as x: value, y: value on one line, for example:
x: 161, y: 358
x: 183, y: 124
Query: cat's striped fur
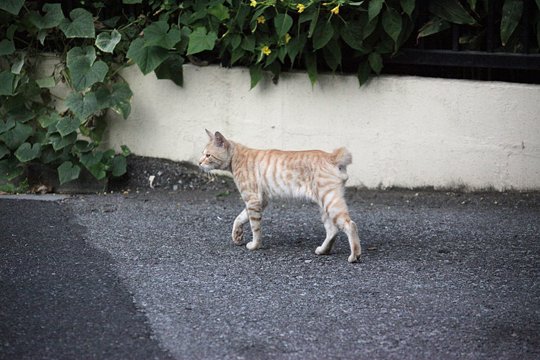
x: 312, y: 175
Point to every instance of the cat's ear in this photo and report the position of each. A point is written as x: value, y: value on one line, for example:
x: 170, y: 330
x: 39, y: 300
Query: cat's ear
x: 209, y: 135
x: 220, y: 140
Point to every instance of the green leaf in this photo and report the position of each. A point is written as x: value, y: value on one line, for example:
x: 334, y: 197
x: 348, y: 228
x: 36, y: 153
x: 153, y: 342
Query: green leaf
x: 158, y: 34
x: 282, y: 23
x: 375, y: 61
x: 49, y: 119
x: 106, y: 42
x: 91, y: 159
x: 7, y: 82
x: 294, y: 46
x: 311, y: 66
x: 41, y: 35
x: 81, y: 105
x: 17, y: 65
x: 6, y: 125
x: 351, y: 33
x: 81, y: 26
x: 472, y: 4
x: 332, y: 54
x: 125, y: 150
x: 27, y: 152
x: 6, y: 47
x: 12, y: 6
x: 255, y: 73
x: 119, y: 165
x: 370, y: 28
x: 200, y: 40
x: 374, y: 8
x: 84, y: 72
x: 3, y: 151
x: 511, y: 15
x: 408, y: 6
x: 248, y: 43
x: 313, y: 23
x: 147, y: 58
x: 84, y: 76
x: 68, y: 172
x: 236, y: 40
x: 282, y: 53
x: 364, y: 71
x: 322, y: 35
x: 47, y: 82
x: 10, y: 169
x: 132, y: 1
x: 52, y: 18
x: 118, y: 99
x: 171, y: 69
x: 20, y: 114
x: 83, y: 146
x: 59, y: 142
x: 78, y: 54
x: 391, y: 21
x: 17, y: 135
x: 93, y: 162
x: 67, y: 125
x: 237, y: 54
x: 434, y: 26
x: 452, y: 11
x: 219, y: 11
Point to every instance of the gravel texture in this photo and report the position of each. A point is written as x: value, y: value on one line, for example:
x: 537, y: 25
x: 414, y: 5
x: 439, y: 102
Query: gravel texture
x: 442, y: 275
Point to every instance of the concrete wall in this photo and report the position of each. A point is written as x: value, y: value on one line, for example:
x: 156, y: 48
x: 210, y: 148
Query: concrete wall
x: 402, y: 131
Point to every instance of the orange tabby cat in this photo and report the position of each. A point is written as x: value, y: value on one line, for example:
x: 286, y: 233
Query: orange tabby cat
x: 262, y: 174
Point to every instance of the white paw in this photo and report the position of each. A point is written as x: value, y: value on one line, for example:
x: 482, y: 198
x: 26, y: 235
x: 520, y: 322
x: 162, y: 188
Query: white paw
x: 320, y: 251
x: 253, y: 245
x: 352, y: 258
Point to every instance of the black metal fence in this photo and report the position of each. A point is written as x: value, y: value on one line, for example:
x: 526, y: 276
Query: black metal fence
x: 444, y: 55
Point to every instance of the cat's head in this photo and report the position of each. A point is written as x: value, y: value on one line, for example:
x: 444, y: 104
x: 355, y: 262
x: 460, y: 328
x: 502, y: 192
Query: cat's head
x: 217, y: 154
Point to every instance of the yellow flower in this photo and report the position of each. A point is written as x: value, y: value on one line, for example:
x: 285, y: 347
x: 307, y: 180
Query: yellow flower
x: 300, y: 8
x: 335, y: 10
x: 261, y: 19
x: 287, y: 38
x: 253, y: 3
x: 266, y: 50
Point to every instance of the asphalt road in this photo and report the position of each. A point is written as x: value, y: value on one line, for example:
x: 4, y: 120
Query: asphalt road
x: 155, y: 275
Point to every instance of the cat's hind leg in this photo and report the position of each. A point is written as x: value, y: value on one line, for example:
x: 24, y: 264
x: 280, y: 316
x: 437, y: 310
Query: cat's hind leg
x: 331, y: 234
x: 350, y: 228
x: 238, y: 227
x: 339, y: 215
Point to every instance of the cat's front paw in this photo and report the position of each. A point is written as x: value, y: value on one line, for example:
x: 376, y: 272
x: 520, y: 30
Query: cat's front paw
x: 238, y: 235
x: 353, y: 258
x: 321, y: 251
x: 252, y: 245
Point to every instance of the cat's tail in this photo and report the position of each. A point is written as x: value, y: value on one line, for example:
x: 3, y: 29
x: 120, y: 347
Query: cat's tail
x: 342, y: 157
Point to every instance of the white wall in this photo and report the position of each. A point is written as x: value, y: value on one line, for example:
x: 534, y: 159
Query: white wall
x: 402, y: 131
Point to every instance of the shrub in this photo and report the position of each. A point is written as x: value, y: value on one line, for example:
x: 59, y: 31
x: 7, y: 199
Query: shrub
x: 95, y: 40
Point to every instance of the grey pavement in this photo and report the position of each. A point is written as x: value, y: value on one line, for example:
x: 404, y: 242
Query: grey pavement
x: 155, y: 275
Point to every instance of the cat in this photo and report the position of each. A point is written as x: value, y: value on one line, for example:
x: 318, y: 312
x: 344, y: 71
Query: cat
x: 312, y: 175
